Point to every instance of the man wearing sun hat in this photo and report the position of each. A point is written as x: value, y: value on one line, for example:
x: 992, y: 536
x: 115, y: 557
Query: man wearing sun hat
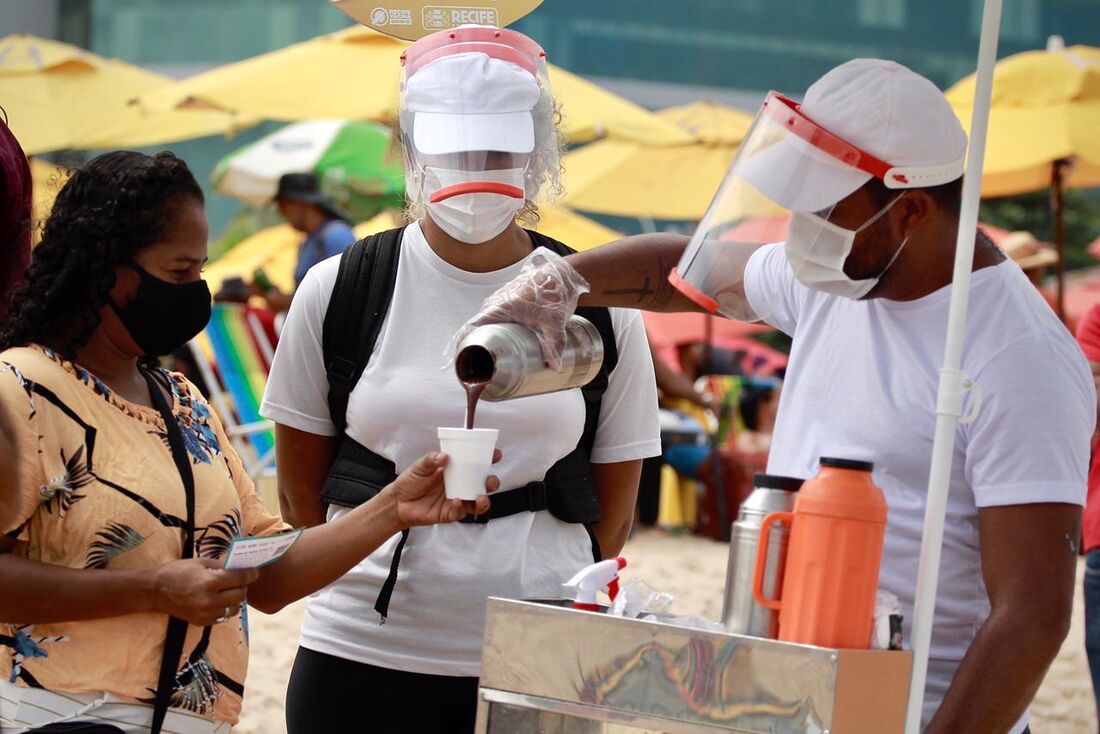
x: 869, y: 170
x: 326, y: 227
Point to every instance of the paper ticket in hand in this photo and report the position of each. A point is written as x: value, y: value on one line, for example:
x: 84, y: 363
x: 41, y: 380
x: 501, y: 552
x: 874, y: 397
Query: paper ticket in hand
x: 259, y: 552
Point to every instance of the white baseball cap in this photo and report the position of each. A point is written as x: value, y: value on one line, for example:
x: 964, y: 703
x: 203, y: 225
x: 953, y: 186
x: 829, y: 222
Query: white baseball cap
x: 881, y: 108
x: 471, y: 102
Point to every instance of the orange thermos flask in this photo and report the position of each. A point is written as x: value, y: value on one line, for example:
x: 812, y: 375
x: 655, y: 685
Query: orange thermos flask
x: 831, y: 573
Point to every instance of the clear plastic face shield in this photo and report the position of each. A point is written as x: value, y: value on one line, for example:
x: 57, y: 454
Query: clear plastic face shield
x: 784, y: 185
x: 478, y: 128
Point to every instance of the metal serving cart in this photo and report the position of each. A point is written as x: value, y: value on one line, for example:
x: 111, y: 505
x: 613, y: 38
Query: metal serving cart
x: 549, y: 669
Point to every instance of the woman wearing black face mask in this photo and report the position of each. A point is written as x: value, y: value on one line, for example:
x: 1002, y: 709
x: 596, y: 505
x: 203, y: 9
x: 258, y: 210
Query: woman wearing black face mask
x: 114, y: 604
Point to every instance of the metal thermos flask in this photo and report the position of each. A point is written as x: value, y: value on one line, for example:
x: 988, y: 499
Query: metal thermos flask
x: 508, y: 357
x: 741, y: 613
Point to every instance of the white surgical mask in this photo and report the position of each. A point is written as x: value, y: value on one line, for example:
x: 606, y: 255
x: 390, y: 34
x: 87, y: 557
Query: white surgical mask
x: 476, y: 217
x: 817, y: 249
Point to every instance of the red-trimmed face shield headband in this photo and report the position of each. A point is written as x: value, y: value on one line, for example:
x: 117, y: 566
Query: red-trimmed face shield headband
x: 786, y: 112
x: 497, y: 43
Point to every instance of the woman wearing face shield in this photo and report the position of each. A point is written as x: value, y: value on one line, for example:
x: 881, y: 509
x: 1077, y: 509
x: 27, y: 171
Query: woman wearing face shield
x: 480, y: 146
x: 115, y: 607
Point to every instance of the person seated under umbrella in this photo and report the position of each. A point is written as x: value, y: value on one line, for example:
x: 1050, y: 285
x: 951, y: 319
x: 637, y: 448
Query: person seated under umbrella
x: 328, y: 232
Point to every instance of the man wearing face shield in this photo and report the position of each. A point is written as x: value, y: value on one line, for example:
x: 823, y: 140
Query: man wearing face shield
x: 477, y: 125
x: 868, y: 169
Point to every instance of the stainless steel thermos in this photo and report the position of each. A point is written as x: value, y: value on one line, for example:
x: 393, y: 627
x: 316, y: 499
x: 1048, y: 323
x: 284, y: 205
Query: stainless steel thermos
x: 740, y: 613
x: 508, y: 357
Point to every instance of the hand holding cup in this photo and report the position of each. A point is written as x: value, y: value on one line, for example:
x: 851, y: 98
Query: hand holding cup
x: 471, y: 453
x: 421, y: 499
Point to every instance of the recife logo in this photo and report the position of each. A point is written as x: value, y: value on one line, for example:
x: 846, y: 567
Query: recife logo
x: 438, y: 17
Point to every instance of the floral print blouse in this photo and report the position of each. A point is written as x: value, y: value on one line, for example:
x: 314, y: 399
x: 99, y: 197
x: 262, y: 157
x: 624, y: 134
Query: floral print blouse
x: 98, y: 489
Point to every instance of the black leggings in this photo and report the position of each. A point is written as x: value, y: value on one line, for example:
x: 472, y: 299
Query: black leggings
x: 331, y: 695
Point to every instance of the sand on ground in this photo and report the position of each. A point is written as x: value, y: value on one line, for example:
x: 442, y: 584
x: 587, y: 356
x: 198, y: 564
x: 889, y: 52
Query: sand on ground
x: 694, y: 570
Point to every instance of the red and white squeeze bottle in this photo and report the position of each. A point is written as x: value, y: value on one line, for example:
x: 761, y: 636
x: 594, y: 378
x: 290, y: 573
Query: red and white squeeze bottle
x: 602, y: 576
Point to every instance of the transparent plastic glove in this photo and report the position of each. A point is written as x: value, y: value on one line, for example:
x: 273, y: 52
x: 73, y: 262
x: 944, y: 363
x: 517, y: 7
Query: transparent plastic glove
x: 542, y: 297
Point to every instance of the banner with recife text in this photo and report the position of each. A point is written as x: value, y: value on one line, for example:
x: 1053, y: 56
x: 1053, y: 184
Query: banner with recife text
x: 414, y: 19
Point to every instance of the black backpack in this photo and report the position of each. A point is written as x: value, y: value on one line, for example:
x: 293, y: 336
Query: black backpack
x: 360, y: 300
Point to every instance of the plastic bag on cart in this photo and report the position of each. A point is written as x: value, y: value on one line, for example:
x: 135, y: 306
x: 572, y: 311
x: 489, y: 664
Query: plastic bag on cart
x: 637, y: 599
x: 886, y: 634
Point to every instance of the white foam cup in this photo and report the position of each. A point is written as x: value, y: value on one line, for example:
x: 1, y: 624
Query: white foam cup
x: 471, y: 459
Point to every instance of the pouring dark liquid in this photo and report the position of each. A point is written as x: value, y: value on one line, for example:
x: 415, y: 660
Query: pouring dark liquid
x: 475, y: 369
x: 473, y: 394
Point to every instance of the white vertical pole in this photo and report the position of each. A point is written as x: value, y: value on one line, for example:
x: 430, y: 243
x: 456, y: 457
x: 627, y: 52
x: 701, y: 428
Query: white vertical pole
x: 953, y: 383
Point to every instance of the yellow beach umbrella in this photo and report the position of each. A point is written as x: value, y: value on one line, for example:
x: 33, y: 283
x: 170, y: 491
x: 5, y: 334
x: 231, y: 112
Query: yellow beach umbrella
x: 590, y: 112
x: 1044, y: 127
x: 1045, y: 109
x: 354, y: 74
x: 275, y: 249
x: 659, y: 182
x: 60, y: 96
x: 575, y: 230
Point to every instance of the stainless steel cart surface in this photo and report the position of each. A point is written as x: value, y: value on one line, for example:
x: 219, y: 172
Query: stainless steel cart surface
x: 548, y: 669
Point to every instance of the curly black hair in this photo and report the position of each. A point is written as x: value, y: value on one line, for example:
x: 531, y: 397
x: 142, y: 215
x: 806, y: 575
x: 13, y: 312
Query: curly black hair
x: 114, y: 206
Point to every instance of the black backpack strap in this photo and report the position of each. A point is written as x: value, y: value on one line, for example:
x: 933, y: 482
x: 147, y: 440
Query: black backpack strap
x: 356, y: 474
x: 360, y: 299
x: 356, y: 311
x: 382, y: 603
x: 571, y: 495
x: 176, y: 634
x: 531, y: 497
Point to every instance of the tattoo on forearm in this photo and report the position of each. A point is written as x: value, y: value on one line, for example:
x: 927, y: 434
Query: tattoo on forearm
x: 665, y: 290
x: 645, y: 290
x: 655, y: 290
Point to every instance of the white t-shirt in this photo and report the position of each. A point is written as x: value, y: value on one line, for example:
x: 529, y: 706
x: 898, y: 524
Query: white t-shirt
x: 862, y: 384
x: 437, y: 612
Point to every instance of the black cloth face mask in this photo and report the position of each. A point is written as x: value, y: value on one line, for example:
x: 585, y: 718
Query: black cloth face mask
x: 163, y: 316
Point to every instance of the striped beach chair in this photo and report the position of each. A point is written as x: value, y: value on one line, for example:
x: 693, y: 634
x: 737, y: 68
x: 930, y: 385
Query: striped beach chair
x: 233, y: 353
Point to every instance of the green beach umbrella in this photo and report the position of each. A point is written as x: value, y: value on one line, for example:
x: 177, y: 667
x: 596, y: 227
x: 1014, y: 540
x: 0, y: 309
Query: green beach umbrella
x: 355, y: 162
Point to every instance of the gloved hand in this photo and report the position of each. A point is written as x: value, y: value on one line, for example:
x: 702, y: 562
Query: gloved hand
x: 542, y: 297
